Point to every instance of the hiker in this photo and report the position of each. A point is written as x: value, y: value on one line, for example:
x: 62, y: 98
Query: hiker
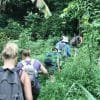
x: 76, y: 41
x: 52, y: 62
x: 63, y: 47
x: 60, y: 45
x: 32, y: 67
x: 11, y: 78
x: 66, y: 48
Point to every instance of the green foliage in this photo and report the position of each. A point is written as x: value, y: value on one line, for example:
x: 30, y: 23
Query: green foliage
x: 75, y: 70
x: 80, y: 76
x: 3, y: 40
x: 24, y: 38
x: 88, y: 94
x: 12, y: 30
x: 50, y: 27
x: 3, y: 20
x: 87, y: 12
x: 4, y: 2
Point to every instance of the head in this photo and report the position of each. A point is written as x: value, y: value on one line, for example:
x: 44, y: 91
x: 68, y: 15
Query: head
x: 25, y: 53
x: 78, y: 37
x: 54, y: 49
x: 10, y: 51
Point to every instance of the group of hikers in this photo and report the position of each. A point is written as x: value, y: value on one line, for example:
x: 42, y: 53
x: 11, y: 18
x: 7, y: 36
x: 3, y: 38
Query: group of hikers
x: 60, y: 52
x: 19, y: 80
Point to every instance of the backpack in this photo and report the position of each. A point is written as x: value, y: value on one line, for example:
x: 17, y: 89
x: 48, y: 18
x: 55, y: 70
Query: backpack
x: 75, y: 41
x: 31, y: 71
x: 50, y: 60
x: 10, y: 85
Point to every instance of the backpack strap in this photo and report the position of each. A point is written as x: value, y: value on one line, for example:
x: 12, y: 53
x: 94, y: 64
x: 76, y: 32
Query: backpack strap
x: 19, y: 71
x: 11, y: 70
x: 32, y: 62
x: 24, y: 64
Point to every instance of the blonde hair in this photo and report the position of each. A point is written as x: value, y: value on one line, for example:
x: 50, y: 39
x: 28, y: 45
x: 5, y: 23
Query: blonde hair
x: 10, y: 51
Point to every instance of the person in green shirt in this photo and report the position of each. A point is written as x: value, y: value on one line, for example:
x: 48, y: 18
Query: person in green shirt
x: 52, y: 61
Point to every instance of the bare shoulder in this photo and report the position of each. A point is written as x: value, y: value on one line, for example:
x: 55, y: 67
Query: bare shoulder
x: 24, y: 77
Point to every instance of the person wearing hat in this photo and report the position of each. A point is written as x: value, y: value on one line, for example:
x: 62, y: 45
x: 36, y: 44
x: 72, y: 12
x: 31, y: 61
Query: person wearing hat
x: 60, y: 45
x: 66, y: 48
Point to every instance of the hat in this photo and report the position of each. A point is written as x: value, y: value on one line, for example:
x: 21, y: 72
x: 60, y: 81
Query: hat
x: 65, y: 39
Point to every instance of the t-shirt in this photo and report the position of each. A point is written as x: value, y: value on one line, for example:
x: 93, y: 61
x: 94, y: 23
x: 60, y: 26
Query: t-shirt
x: 52, y: 58
x: 76, y: 40
x: 36, y: 66
x: 60, y: 46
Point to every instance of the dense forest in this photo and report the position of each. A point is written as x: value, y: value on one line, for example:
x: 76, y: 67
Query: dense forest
x: 24, y: 23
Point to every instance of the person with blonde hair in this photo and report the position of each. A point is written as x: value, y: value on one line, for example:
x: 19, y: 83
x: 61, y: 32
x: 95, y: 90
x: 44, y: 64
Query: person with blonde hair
x: 32, y: 67
x: 13, y: 81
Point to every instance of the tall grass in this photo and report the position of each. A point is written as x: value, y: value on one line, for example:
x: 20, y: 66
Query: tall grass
x: 74, y: 70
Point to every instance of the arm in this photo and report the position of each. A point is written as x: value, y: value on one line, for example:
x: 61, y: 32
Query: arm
x: 81, y: 40
x: 40, y: 68
x: 69, y: 51
x: 58, y: 64
x: 58, y: 61
x: 26, y: 86
x: 43, y: 69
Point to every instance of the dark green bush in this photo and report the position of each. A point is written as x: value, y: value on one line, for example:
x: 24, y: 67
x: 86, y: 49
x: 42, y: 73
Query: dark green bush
x: 13, y: 30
